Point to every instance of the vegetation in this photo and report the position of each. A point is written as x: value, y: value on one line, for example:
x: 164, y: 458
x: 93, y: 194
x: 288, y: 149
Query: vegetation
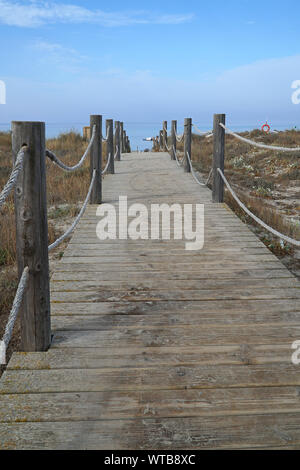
x: 266, y: 181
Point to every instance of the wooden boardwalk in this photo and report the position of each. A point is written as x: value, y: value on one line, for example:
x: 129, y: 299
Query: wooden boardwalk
x: 156, y: 347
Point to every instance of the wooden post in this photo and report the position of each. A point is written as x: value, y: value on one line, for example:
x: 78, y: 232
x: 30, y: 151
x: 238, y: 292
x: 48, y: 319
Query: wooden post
x: 173, y: 139
x: 32, y: 235
x: 117, y: 140
x: 128, y: 145
x: 124, y: 141
x: 218, y: 158
x: 187, y: 143
x: 160, y: 140
x: 96, y: 159
x: 110, y: 145
x: 165, y: 135
x: 121, y: 136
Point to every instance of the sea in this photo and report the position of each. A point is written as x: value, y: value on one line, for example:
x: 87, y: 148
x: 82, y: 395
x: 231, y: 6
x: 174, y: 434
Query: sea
x: 137, y: 131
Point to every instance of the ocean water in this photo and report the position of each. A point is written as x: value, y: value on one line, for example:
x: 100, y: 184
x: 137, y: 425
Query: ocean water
x: 137, y: 131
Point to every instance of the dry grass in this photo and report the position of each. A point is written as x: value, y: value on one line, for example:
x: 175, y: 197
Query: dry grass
x: 276, y: 166
x: 266, y: 181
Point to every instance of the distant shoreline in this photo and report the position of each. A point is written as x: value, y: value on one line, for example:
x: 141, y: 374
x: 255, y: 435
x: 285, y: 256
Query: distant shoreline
x: 138, y: 131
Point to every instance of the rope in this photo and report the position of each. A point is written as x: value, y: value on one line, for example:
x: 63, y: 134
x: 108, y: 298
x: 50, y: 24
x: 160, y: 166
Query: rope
x: 200, y: 132
x: 75, y: 223
x: 58, y: 162
x: 179, y: 162
x: 166, y: 141
x: 107, y: 164
x: 13, y: 315
x: 117, y: 150
x: 209, y: 176
x: 12, y: 181
x: 179, y: 138
x: 258, y: 144
x: 167, y: 147
x: 254, y: 217
x: 194, y: 174
x: 106, y: 137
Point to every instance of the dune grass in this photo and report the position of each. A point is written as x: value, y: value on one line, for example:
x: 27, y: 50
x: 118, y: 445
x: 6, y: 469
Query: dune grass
x: 262, y: 178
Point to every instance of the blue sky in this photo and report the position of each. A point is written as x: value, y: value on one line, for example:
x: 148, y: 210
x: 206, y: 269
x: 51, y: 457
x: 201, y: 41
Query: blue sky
x: 135, y: 61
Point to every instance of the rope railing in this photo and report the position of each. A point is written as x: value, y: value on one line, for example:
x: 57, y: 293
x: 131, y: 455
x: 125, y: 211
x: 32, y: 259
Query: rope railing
x: 13, y: 315
x: 220, y: 180
x: 104, y: 139
x: 207, y: 133
x: 107, y: 165
x: 194, y: 174
x: 76, y: 221
x: 179, y: 162
x: 179, y: 137
x: 167, y: 147
x: 209, y: 176
x: 290, y: 240
x: 12, y: 181
x: 259, y: 144
x: 29, y: 189
x: 166, y: 139
x: 62, y: 165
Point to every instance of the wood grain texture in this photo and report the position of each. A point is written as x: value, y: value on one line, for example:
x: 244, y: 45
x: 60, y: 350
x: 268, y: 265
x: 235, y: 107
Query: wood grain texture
x: 32, y: 235
x: 96, y: 159
x: 218, y: 158
x: 258, y: 431
x: 110, y: 145
x: 155, y: 347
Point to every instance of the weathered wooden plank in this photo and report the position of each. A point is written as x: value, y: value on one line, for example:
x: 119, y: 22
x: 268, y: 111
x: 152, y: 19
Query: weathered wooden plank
x: 91, y: 406
x: 164, y: 262
x: 168, y: 267
x: 226, y: 308
x: 225, y: 432
x: 79, y: 321
x: 199, y: 275
x: 150, y: 378
x: 102, y: 252
x: 174, y: 248
x: 134, y: 295
x: 172, y: 335
x: 116, y: 356
x: 161, y: 284
x: 240, y: 248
